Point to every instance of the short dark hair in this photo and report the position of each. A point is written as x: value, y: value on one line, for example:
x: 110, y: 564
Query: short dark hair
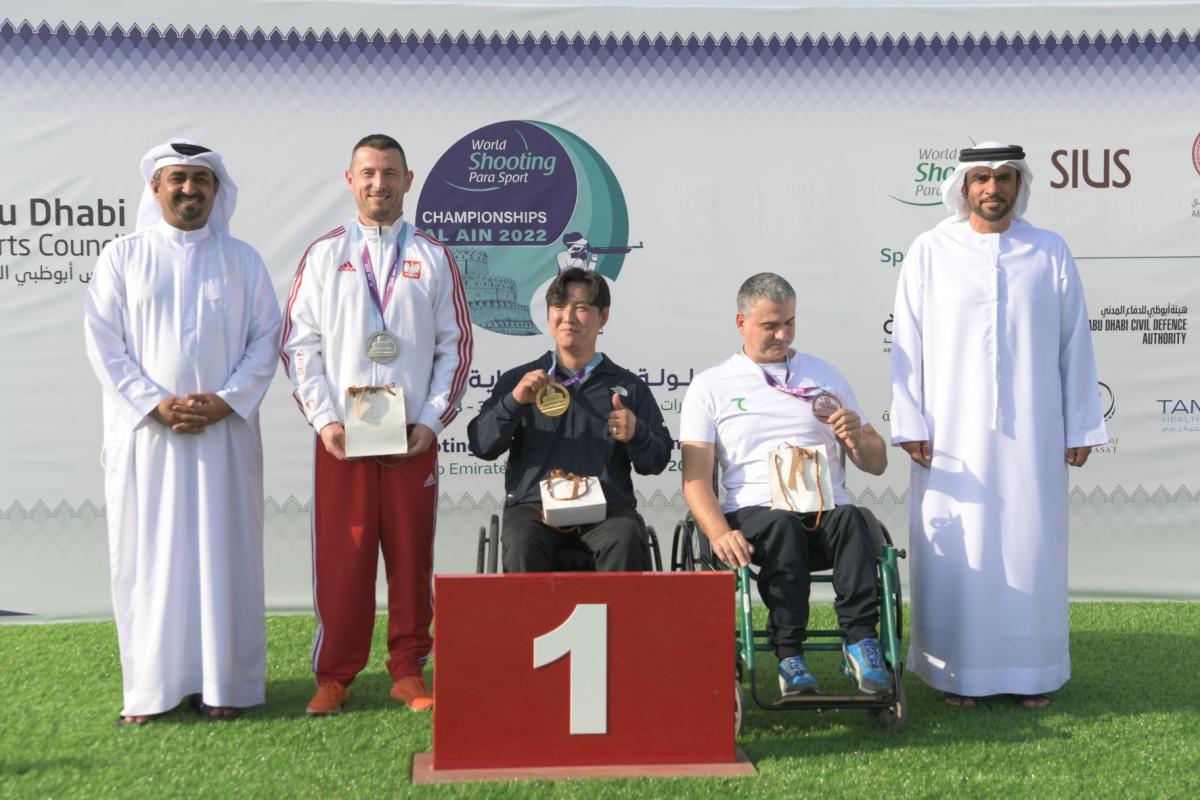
x: 379, y: 141
x: 556, y: 293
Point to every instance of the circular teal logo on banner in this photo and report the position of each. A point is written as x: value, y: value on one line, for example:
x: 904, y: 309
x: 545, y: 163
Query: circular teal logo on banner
x: 518, y: 202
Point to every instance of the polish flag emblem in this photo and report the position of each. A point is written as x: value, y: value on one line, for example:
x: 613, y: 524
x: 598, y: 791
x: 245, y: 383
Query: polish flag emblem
x: 412, y: 269
x: 346, y: 267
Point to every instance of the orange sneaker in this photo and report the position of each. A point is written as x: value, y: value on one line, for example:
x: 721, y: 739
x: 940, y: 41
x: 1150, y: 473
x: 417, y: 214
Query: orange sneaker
x: 328, y: 699
x: 413, y: 693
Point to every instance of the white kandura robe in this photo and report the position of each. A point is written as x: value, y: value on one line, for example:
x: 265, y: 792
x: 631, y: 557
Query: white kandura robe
x: 992, y: 362
x: 171, y: 312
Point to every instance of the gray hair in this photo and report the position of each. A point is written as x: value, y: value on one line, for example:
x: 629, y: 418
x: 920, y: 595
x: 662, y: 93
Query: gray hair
x: 763, y: 286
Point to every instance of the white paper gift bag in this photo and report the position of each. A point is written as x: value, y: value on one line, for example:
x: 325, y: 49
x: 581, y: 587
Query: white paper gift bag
x: 800, y: 480
x: 569, y: 500
x: 375, y: 422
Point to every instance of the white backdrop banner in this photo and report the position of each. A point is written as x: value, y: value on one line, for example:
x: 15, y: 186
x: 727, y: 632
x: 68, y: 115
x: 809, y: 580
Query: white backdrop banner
x: 687, y: 149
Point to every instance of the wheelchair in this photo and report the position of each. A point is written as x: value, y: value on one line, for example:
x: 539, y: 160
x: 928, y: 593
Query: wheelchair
x: 574, y: 557
x: 691, y: 551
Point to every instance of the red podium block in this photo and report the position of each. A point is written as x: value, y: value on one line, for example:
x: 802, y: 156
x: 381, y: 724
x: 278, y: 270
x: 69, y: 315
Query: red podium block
x: 631, y: 668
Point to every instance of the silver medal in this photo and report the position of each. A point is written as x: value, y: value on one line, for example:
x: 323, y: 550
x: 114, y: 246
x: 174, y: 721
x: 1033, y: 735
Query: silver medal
x: 382, y: 347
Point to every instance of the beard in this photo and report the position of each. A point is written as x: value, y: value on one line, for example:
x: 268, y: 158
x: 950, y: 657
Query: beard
x: 383, y: 212
x: 192, y: 212
x: 992, y: 216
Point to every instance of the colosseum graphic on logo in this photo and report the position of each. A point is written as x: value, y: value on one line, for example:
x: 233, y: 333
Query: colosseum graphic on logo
x: 519, y: 202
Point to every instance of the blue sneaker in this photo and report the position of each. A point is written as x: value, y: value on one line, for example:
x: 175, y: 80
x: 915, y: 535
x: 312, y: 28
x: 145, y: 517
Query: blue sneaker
x: 862, y: 662
x: 795, y: 677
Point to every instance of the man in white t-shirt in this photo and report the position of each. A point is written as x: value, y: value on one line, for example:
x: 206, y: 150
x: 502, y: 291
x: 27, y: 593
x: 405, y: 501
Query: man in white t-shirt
x: 739, y: 411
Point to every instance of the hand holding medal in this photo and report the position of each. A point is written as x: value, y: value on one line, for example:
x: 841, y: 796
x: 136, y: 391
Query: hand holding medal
x: 548, y: 396
x: 525, y: 392
x: 847, y: 427
x: 824, y: 404
x: 553, y: 399
x: 822, y: 401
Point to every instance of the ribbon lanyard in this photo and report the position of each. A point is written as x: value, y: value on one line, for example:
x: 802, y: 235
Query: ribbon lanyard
x: 578, y: 377
x: 390, y: 285
x: 804, y: 393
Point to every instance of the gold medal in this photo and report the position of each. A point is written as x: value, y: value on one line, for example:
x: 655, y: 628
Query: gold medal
x: 552, y: 399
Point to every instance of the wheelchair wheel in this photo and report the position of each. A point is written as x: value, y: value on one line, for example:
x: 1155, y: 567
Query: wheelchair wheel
x: 893, y: 717
x: 482, y: 550
x: 739, y: 708
x: 493, y: 553
x: 678, y: 547
x: 683, y: 546
x: 655, y: 552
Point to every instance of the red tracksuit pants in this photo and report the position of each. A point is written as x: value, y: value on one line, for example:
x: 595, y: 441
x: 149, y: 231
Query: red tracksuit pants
x: 361, y: 507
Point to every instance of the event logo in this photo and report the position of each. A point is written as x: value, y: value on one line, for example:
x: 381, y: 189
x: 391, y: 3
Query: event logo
x: 1109, y: 170
x: 518, y: 202
x: 887, y: 333
x: 924, y: 181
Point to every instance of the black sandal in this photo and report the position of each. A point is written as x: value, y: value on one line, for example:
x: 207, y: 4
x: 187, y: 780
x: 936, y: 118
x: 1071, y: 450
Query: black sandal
x: 208, y: 712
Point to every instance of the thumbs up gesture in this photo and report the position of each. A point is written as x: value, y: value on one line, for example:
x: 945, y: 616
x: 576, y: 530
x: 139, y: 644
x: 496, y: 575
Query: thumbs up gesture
x: 621, y: 421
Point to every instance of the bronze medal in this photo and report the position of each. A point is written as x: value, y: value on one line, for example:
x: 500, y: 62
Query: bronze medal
x: 824, y: 404
x: 553, y: 399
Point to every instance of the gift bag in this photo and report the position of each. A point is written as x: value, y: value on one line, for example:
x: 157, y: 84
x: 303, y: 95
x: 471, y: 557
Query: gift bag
x: 569, y: 500
x: 800, y: 480
x: 375, y: 422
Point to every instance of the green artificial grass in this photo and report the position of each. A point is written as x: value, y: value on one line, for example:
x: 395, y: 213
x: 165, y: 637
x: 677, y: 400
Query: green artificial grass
x: 1126, y: 725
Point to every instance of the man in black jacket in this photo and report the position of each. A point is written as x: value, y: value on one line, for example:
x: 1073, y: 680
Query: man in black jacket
x: 612, y: 423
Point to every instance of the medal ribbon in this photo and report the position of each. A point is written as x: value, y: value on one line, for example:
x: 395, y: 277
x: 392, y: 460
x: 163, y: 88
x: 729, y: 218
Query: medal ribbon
x: 390, y: 285
x: 804, y: 393
x: 578, y: 377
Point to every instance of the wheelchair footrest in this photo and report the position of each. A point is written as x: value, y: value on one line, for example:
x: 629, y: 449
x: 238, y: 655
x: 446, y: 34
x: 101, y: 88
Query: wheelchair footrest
x: 829, y: 702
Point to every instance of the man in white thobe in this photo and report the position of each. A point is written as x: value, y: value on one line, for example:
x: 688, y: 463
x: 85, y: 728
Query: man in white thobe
x: 994, y: 394
x: 181, y: 323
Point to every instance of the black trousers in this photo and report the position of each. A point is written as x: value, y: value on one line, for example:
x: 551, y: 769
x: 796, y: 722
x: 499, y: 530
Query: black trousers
x: 618, y: 542
x: 785, y: 553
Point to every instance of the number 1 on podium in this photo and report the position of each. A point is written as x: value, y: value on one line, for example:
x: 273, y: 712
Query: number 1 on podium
x: 583, y: 635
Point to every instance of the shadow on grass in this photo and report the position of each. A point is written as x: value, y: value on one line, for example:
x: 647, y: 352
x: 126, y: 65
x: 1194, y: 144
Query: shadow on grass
x: 1113, y: 673
x: 288, y: 698
x: 17, y: 768
x: 1121, y: 672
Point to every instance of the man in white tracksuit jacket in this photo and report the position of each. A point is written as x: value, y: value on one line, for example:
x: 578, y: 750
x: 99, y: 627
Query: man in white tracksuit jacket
x: 375, y: 302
